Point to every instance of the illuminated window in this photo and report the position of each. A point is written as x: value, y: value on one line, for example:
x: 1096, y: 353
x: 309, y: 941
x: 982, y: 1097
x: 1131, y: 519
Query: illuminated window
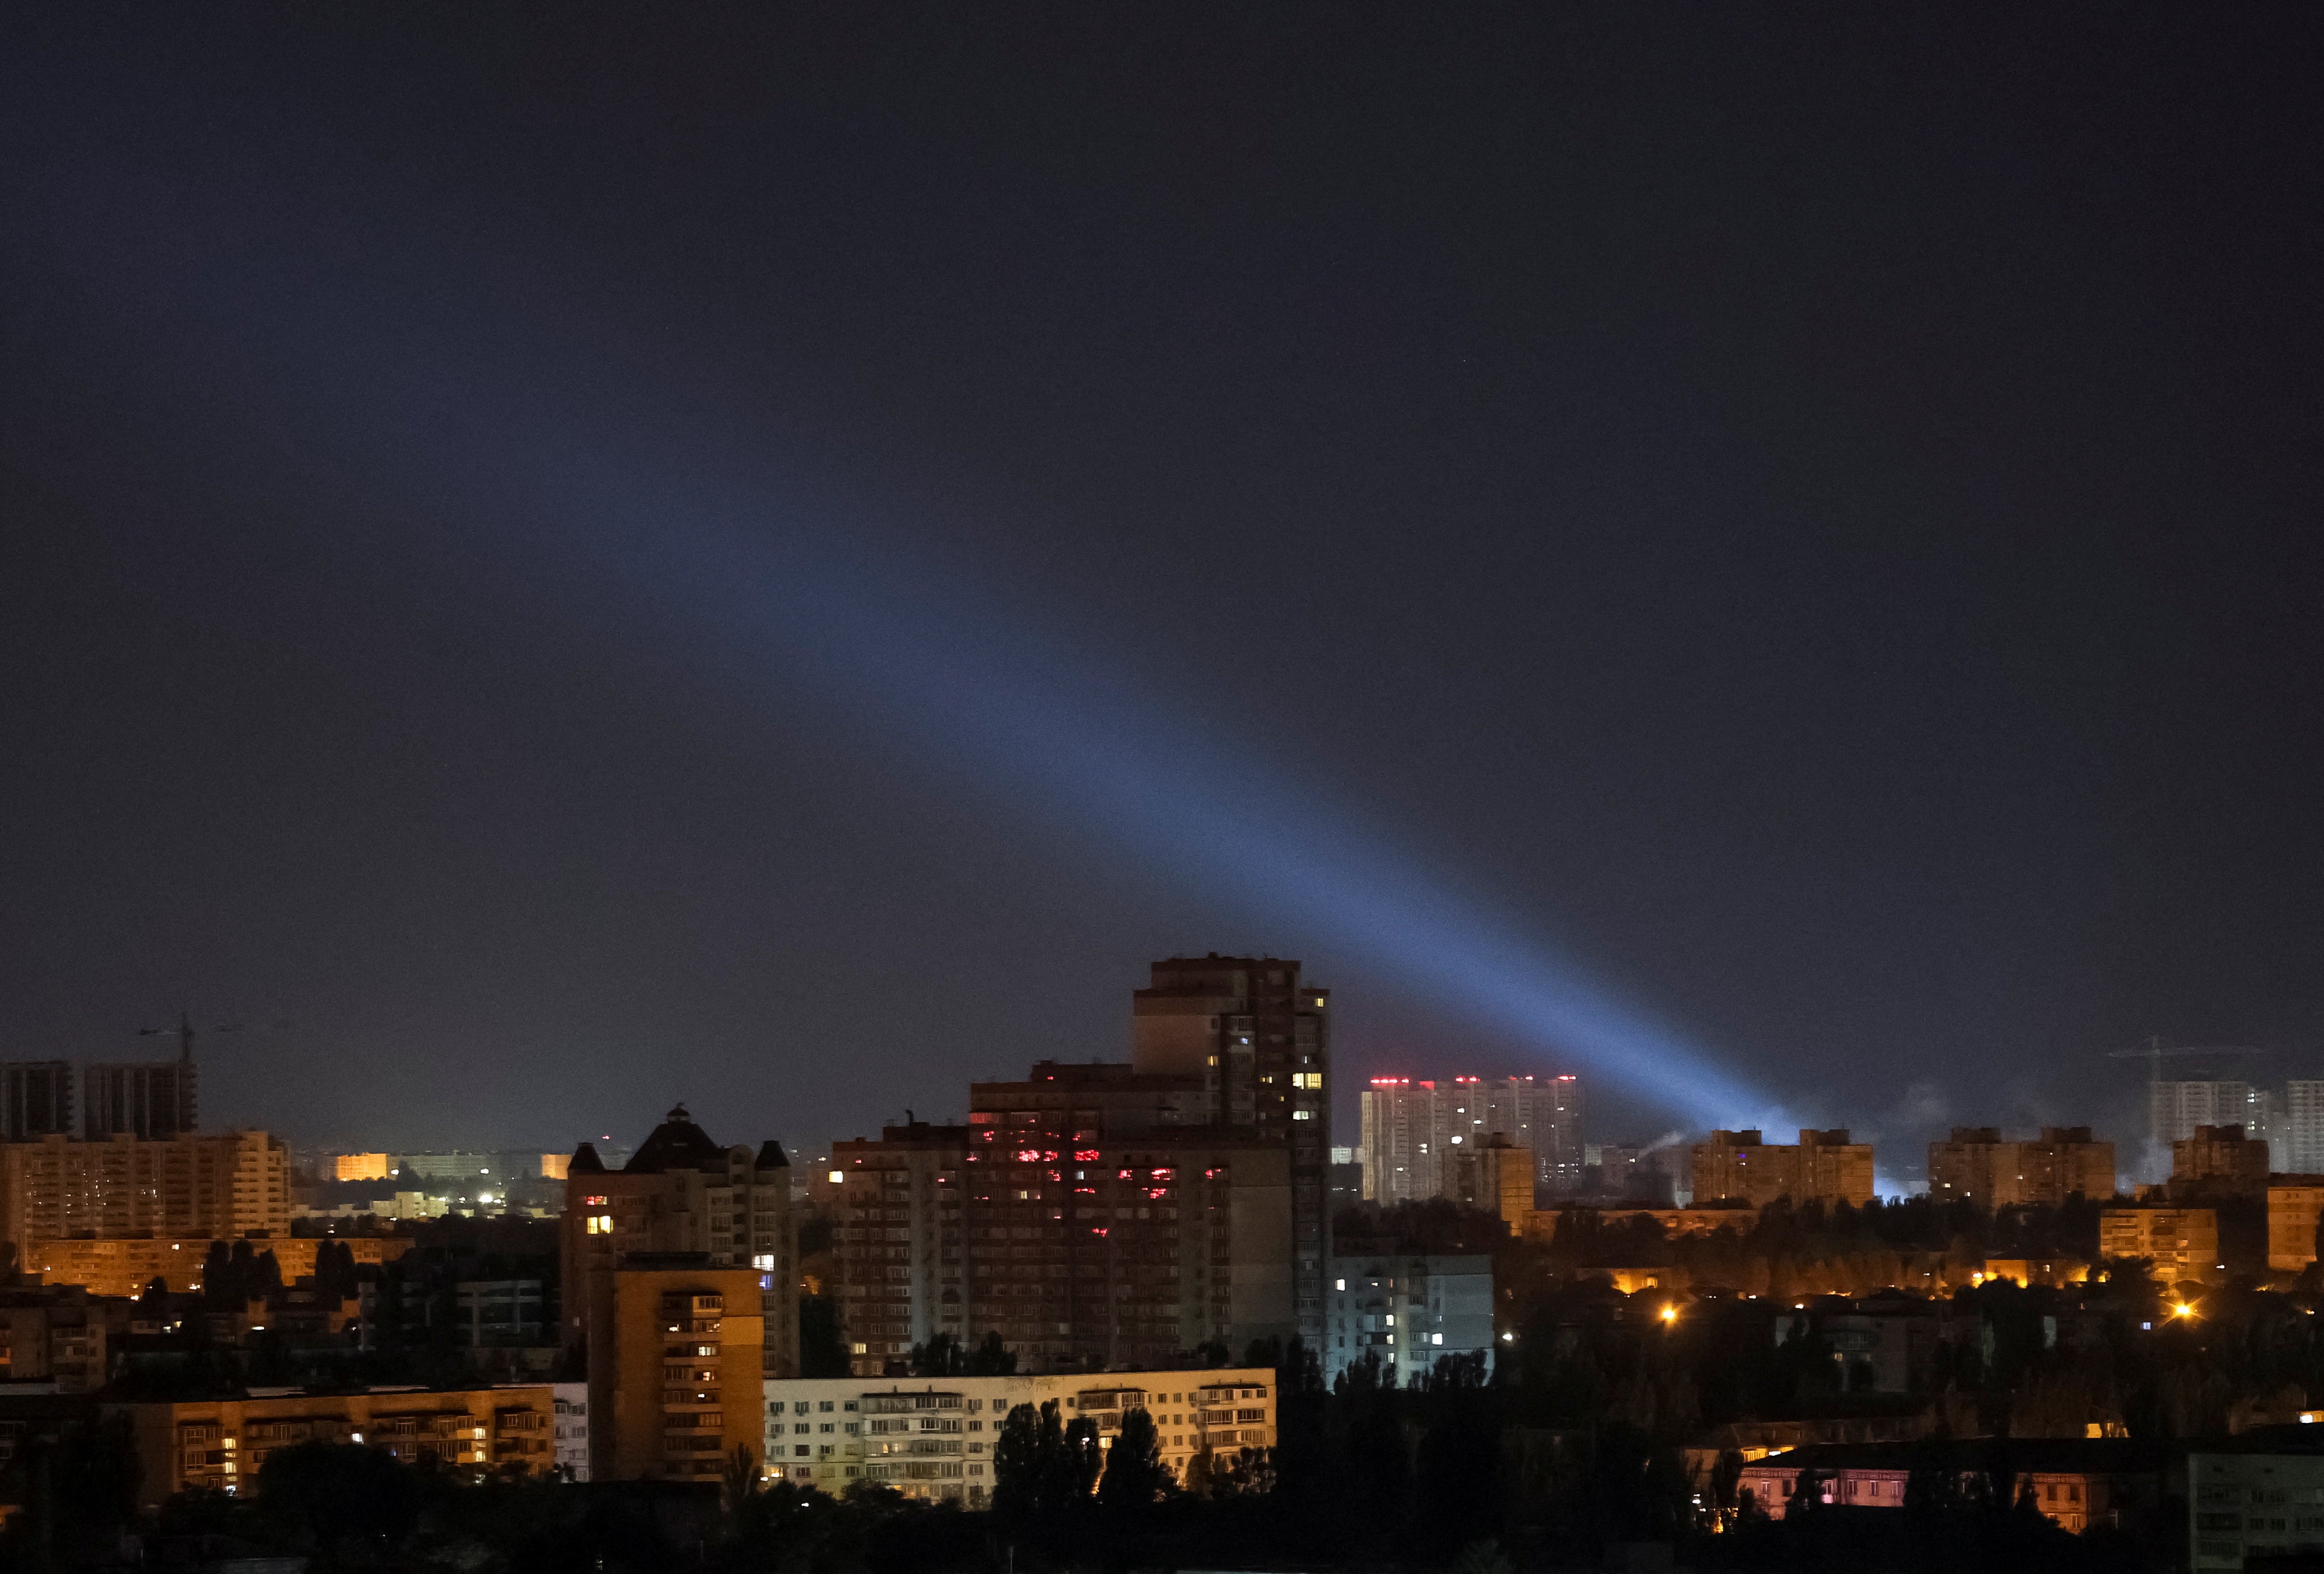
x: 593, y: 1202
x: 601, y: 1224
x: 838, y: 1176
x: 763, y: 1260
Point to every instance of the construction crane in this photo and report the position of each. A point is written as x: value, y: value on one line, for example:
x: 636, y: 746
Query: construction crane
x: 183, y: 1033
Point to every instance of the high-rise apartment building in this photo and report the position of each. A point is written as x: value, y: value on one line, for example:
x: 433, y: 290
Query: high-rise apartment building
x: 1743, y: 1166
x: 185, y: 1187
x: 899, y: 1239
x: 2303, y: 1128
x: 1260, y: 1040
x: 681, y: 1194
x: 154, y: 1100
x: 36, y: 1099
x: 2175, y: 1108
x: 1085, y: 1215
x: 676, y: 1368
x: 2294, y: 1204
x: 1414, y: 1130
x: 1976, y: 1165
x: 1493, y: 1176
x: 2218, y: 1160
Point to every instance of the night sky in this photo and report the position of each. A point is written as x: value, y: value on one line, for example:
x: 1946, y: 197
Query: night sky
x: 559, y: 560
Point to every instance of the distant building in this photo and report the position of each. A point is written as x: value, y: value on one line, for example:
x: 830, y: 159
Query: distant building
x: 932, y: 1438
x: 2175, y: 1108
x: 2218, y: 1161
x: 1410, y: 1312
x: 36, y: 1099
x: 361, y: 1166
x: 152, y: 1100
x: 2303, y: 1128
x: 1495, y: 1177
x: 1414, y: 1130
x: 681, y: 1194
x: 1976, y: 1165
x: 183, y: 1187
x: 2294, y: 1204
x: 2183, y: 1243
x: 220, y: 1445
x: 126, y: 1267
x: 1743, y: 1166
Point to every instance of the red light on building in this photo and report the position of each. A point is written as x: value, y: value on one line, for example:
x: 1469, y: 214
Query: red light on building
x: 1086, y: 1155
x: 1029, y: 1156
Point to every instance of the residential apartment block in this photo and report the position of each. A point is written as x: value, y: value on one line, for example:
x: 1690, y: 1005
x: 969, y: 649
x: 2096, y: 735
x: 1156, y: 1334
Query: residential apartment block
x: 675, y: 1369
x: 2183, y: 1243
x: 186, y: 1187
x: 1258, y: 1038
x: 221, y: 1445
x: 681, y: 1194
x: 126, y: 1267
x: 2294, y: 1204
x: 2218, y: 1160
x: 1410, y: 1312
x: 1743, y: 1166
x: 932, y: 1437
x: 1415, y: 1131
x: 1976, y: 1165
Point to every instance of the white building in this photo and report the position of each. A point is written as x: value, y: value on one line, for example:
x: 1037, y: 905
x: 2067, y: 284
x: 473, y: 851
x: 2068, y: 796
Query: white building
x: 1413, y: 1130
x: 2303, y: 1130
x: 2256, y: 1495
x: 1412, y: 1310
x: 932, y: 1437
x: 572, y: 1443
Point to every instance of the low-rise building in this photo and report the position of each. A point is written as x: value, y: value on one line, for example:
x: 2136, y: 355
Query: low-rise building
x: 2259, y: 1495
x: 1411, y: 1311
x: 117, y: 1266
x: 933, y: 1438
x: 2078, y: 1482
x: 2182, y: 1243
x: 222, y: 1444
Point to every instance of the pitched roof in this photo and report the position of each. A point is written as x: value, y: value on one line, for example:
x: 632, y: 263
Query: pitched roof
x: 677, y: 1144
x: 771, y: 1156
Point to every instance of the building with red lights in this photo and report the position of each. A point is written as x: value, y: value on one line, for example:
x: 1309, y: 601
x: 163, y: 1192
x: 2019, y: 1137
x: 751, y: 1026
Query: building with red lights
x: 1413, y: 1131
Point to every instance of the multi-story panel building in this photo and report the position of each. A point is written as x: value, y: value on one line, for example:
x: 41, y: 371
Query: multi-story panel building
x: 1977, y: 1165
x: 932, y: 1437
x: 1494, y: 1176
x: 51, y: 1333
x: 1410, y: 1312
x: 1259, y: 1038
x: 676, y: 1370
x: 187, y: 1187
x: 681, y: 1194
x: 1100, y: 1253
x: 2302, y: 1128
x: 2294, y: 1204
x: 1742, y: 1166
x: 126, y: 1267
x: 36, y: 1099
x: 2256, y: 1500
x: 2218, y: 1160
x: 2175, y: 1108
x: 2183, y: 1243
x: 899, y: 1237
x: 1413, y: 1131
x: 220, y: 1445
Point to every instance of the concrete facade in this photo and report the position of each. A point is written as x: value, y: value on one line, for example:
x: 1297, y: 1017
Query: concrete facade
x: 1409, y: 1311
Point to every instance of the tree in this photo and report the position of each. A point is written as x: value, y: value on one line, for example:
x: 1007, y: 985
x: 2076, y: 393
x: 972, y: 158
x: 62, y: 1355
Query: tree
x: 992, y: 1358
x: 325, y: 1494
x: 739, y: 1484
x: 156, y: 1301
x: 941, y: 1356
x: 1135, y: 1476
x: 1016, y: 1465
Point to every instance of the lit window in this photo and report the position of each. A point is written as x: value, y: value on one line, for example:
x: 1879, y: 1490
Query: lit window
x: 838, y: 1176
x: 601, y: 1224
x: 763, y: 1260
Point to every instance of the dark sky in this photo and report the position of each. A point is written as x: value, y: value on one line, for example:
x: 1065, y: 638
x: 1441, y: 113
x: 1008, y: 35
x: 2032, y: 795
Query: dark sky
x: 1811, y: 513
